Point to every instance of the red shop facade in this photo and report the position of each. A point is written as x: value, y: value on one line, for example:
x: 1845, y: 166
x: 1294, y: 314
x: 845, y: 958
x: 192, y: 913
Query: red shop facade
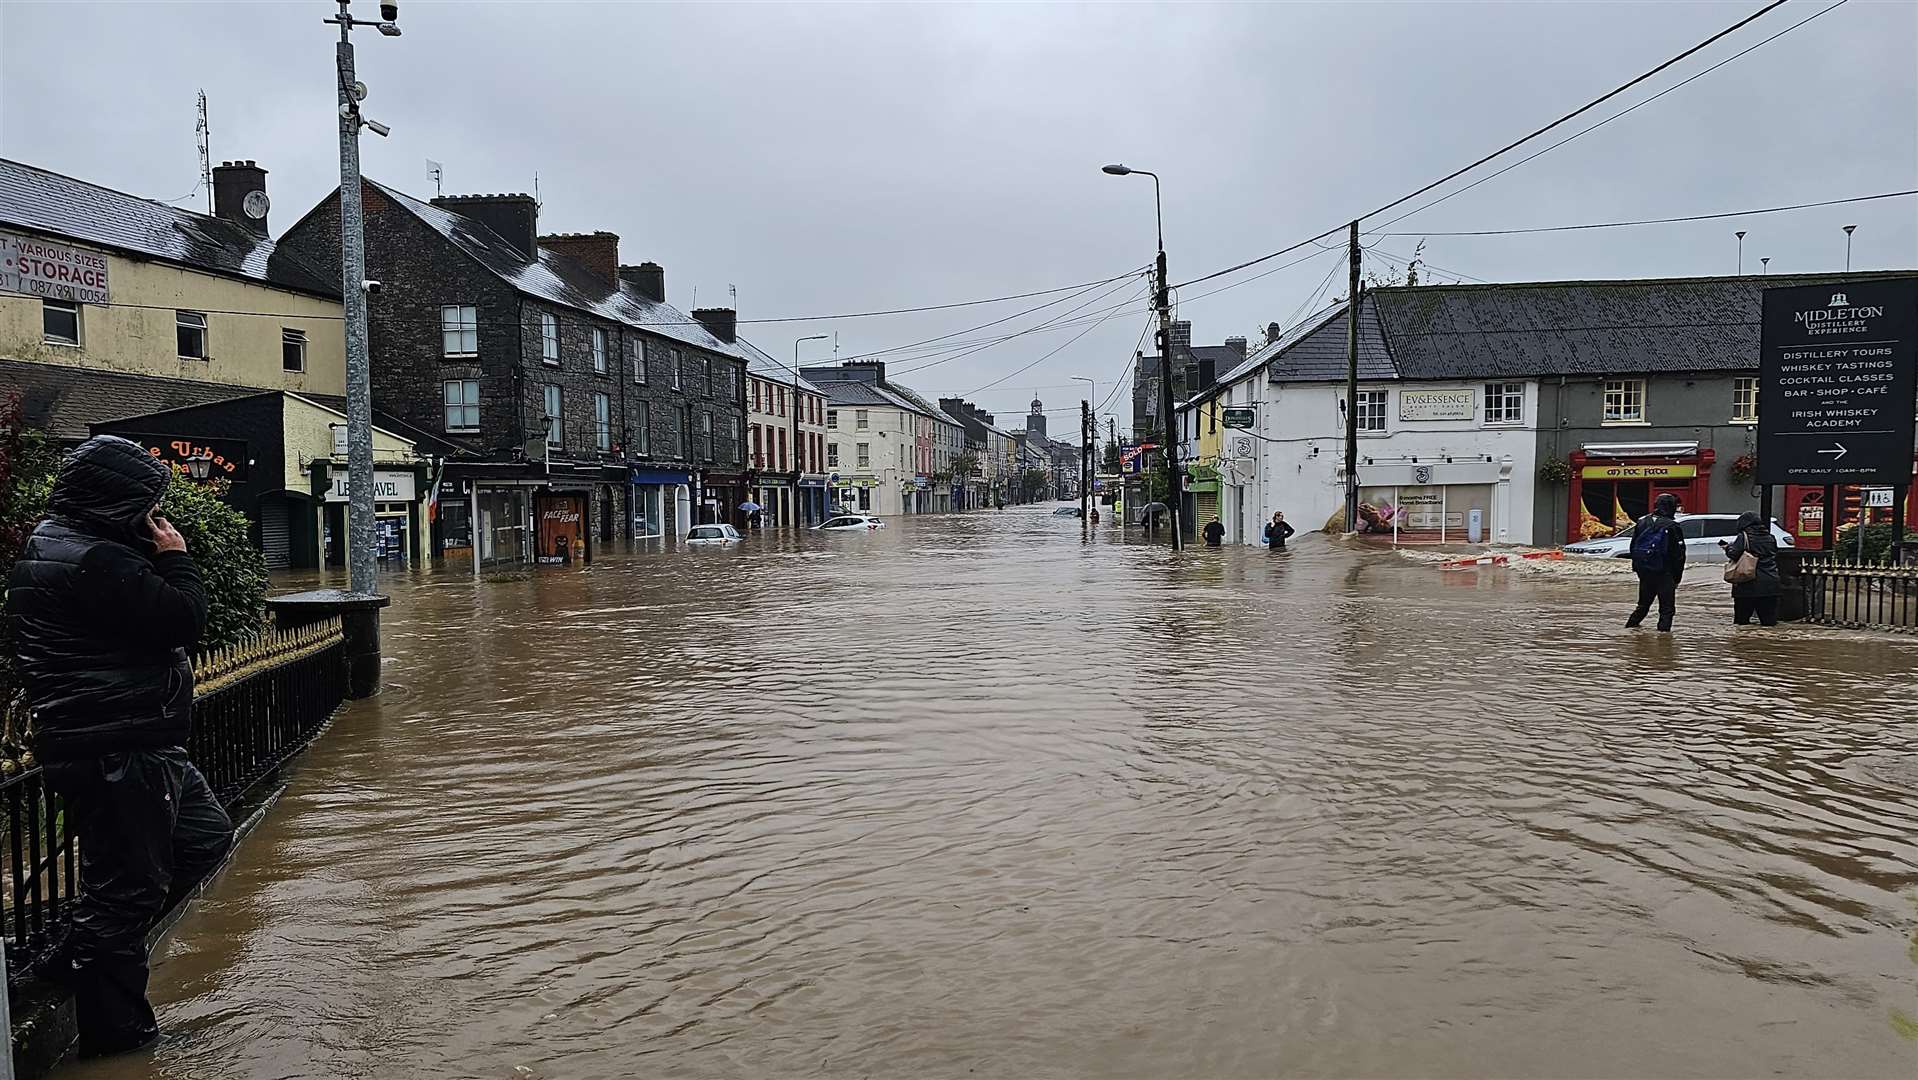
x: 1614, y: 486
x: 1803, y: 511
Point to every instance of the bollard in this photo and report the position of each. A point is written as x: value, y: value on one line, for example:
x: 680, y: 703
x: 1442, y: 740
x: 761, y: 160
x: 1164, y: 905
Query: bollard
x: 359, y: 622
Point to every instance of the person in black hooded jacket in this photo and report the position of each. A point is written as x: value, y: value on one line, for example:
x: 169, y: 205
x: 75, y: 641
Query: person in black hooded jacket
x: 103, y: 604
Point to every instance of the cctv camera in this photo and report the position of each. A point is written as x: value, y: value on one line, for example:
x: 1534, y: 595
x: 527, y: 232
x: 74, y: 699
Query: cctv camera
x: 390, y: 12
x: 379, y: 129
x: 372, y: 287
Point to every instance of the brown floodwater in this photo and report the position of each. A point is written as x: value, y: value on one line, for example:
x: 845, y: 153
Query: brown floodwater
x: 973, y: 797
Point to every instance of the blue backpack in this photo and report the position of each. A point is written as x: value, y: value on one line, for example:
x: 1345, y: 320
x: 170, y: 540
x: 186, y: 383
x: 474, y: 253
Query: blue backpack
x: 1648, y: 547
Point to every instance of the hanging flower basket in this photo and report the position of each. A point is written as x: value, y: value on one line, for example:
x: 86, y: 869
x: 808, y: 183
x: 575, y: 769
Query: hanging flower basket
x: 1743, y: 467
x: 1555, y: 471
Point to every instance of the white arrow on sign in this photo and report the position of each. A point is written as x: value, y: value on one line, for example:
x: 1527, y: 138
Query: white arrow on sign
x: 1837, y: 454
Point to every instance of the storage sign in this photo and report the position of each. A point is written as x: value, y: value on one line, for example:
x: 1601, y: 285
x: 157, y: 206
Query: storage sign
x: 1437, y: 404
x: 1835, y: 383
x: 57, y: 271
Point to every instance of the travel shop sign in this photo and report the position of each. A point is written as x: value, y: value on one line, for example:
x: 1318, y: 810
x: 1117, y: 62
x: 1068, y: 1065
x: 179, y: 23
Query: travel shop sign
x: 55, y: 271
x: 1835, y: 383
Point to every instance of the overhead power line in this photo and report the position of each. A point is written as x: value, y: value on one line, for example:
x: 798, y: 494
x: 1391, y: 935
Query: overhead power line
x: 1061, y: 348
x: 945, y: 307
x: 961, y: 351
x: 1664, y: 220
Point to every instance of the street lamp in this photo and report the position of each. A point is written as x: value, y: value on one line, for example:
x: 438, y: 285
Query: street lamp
x: 199, y: 466
x: 1164, y: 302
x: 1741, y: 251
x: 361, y: 555
x: 1848, y: 232
x: 795, y: 420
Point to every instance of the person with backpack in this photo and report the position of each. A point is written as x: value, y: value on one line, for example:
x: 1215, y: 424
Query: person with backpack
x: 1755, y: 584
x: 1658, y: 558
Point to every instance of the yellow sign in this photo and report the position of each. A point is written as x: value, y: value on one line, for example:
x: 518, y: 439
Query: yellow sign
x: 1639, y: 472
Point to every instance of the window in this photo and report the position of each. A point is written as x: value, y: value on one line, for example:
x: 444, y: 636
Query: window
x: 636, y: 349
x: 832, y: 419
x: 59, y: 322
x: 1504, y: 403
x: 555, y: 417
x: 782, y: 451
x: 672, y: 361
x: 190, y: 327
x: 685, y: 421
x: 599, y: 350
x: 462, y: 405
x: 1723, y: 527
x: 832, y: 455
x: 706, y: 435
x: 1625, y: 401
x: 643, y: 435
x: 1370, y: 414
x: 860, y: 420
x: 292, y: 350
x: 706, y: 376
x: 459, y: 330
x: 1745, y: 400
x: 548, y: 339
x: 732, y: 445
x: 862, y: 453
x: 759, y: 460
x: 603, y: 422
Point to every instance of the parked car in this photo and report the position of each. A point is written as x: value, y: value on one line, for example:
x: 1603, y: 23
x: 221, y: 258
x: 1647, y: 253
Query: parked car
x: 850, y: 523
x: 1702, y: 531
x: 1066, y: 511
x: 713, y: 534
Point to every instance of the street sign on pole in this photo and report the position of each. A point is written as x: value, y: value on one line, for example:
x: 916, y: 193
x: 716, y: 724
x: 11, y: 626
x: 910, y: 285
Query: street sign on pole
x: 1835, y: 383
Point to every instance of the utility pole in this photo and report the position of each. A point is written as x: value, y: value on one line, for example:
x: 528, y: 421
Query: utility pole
x: 1086, y: 429
x: 1352, y: 383
x: 360, y: 537
x: 1176, y: 487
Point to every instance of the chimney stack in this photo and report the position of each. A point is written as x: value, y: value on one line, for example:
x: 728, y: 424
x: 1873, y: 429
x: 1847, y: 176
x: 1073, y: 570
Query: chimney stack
x: 720, y: 322
x: 596, y: 251
x: 648, y: 279
x: 513, y: 218
x: 1237, y: 345
x: 1181, y: 335
x: 233, y: 181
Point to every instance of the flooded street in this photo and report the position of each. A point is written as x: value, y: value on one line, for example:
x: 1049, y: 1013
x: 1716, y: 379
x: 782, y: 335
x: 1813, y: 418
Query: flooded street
x: 972, y: 797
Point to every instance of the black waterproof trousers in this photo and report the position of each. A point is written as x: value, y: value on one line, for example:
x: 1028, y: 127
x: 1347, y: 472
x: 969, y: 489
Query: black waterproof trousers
x: 1660, y: 587
x: 1765, y: 607
x: 149, y: 830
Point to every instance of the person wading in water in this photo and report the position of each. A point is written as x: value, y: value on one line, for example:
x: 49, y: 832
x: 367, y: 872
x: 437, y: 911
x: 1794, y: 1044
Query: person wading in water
x: 1277, y: 532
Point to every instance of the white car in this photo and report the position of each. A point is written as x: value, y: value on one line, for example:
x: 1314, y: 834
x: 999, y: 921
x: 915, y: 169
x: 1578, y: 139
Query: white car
x: 1702, y: 532
x: 712, y: 534
x: 850, y: 523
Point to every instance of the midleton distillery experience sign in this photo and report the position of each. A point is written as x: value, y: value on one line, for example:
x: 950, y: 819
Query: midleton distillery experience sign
x: 1836, y: 382
x: 1437, y: 404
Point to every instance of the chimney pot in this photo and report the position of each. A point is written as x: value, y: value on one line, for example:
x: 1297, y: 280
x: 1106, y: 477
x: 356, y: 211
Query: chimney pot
x: 233, y: 181
x: 513, y: 218
x: 1272, y: 332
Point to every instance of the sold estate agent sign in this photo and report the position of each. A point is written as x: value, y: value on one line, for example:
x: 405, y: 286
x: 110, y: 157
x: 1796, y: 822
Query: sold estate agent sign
x: 56, y: 271
x: 1835, y: 383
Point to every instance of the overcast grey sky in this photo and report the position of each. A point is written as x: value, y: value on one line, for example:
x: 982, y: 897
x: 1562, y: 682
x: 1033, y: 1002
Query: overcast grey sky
x: 829, y: 158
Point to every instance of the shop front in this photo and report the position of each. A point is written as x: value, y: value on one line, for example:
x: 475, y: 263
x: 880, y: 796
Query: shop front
x: 657, y: 498
x: 812, y: 499
x: 1615, y: 484
x: 1202, y: 488
x: 563, y: 536
x: 855, y: 493
x: 1455, y: 502
x: 721, y: 494
x: 399, y: 520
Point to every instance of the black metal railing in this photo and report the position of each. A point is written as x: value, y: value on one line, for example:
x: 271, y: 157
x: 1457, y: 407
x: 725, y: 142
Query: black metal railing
x: 1861, y: 595
x: 255, y: 706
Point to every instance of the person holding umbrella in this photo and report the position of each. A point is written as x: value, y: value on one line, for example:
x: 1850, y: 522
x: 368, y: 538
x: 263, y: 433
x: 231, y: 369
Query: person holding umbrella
x: 751, y: 510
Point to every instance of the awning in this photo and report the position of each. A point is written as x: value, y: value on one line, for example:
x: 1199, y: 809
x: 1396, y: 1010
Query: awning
x: 1640, y: 449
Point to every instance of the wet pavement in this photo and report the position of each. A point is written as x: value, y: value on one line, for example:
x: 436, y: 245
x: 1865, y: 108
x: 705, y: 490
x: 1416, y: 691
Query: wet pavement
x: 970, y: 796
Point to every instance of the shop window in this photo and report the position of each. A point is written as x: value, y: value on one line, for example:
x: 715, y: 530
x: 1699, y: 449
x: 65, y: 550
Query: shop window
x: 1370, y: 413
x: 636, y: 349
x: 602, y: 422
x: 555, y: 416
x: 599, y: 350
x: 1625, y: 401
x: 1504, y: 403
x: 292, y: 350
x: 190, y: 329
x: 59, y: 322
x: 548, y: 339
x: 459, y: 330
x: 461, y: 397
x: 1745, y: 400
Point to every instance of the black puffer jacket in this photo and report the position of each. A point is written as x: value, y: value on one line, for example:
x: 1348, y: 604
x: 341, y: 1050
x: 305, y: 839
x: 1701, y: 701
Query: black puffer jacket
x: 101, y: 623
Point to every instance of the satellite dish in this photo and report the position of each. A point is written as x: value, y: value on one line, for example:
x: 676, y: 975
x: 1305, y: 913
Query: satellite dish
x: 255, y: 205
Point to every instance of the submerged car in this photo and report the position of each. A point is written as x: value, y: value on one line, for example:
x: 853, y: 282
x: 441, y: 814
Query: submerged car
x: 850, y: 523
x: 1066, y: 511
x: 1701, y: 531
x: 713, y: 534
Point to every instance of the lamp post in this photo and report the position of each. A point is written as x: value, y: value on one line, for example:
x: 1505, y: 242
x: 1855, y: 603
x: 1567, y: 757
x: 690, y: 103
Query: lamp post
x: 795, y: 420
x: 1163, y: 300
x: 1741, y: 251
x: 1848, y: 231
x: 361, y: 556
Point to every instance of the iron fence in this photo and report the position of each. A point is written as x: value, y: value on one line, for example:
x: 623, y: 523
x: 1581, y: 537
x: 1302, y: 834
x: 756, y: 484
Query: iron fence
x: 1861, y: 595
x: 255, y: 706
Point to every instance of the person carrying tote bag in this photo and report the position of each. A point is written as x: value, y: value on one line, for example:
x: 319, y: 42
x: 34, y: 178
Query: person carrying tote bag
x: 1753, y: 572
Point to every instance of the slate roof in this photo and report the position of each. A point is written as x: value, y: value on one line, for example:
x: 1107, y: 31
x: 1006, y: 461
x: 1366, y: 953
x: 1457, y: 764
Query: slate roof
x: 856, y: 393
x: 64, y: 401
x: 57, y: 205
x: 1581, y: 327
x: 920, y: 403
x: 559, y: 278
